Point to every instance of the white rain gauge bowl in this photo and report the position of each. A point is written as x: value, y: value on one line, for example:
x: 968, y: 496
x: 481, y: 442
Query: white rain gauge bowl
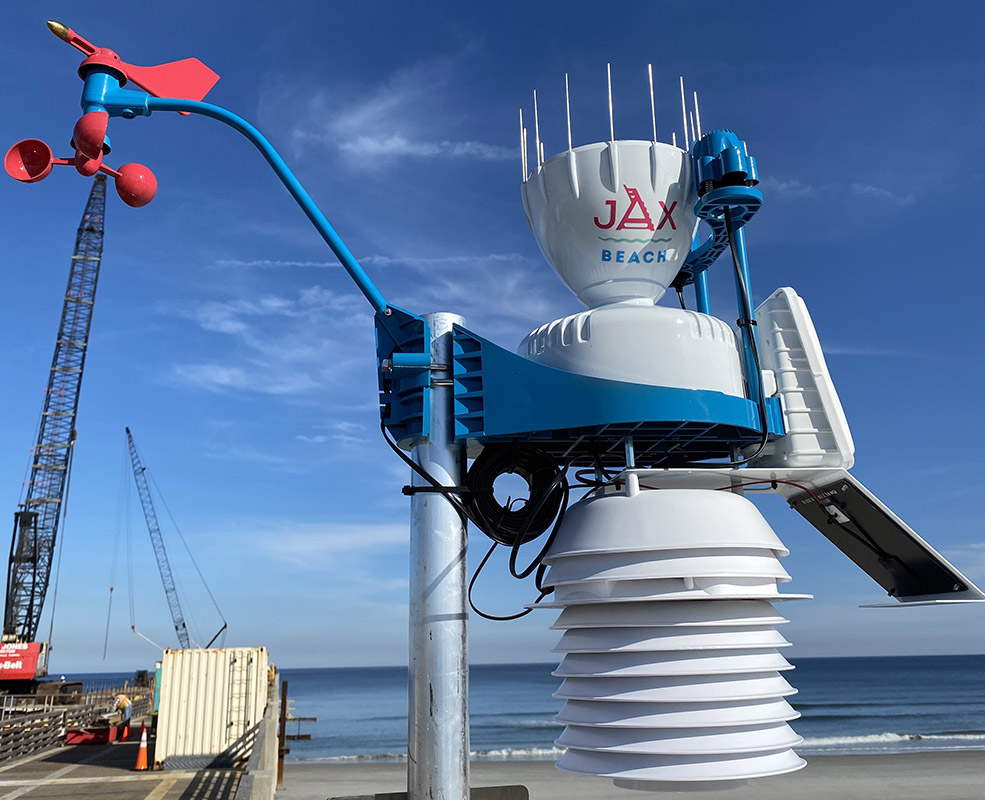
x: 671, y: 669
x: 616, y: 220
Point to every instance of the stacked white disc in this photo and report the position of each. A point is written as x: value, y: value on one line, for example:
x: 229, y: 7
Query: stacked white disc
x: 671, y: 660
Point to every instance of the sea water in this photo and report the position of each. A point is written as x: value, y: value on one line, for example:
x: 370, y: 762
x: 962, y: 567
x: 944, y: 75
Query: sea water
x: 848, y: 705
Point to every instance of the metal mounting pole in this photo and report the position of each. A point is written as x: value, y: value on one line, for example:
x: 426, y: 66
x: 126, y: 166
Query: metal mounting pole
x: 438, y: 704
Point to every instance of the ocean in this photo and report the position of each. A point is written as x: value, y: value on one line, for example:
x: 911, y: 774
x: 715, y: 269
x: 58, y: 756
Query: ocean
x: 848, y: 705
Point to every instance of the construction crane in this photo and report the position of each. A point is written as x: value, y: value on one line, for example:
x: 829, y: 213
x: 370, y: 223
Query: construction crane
x: 157, y: 539
x: 37, y: 518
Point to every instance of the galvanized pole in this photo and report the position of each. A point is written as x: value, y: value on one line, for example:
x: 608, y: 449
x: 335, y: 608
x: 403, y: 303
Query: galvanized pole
x: 438, y: 703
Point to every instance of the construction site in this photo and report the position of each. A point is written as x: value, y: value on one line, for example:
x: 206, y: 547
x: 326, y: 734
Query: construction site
x: 201, y: 723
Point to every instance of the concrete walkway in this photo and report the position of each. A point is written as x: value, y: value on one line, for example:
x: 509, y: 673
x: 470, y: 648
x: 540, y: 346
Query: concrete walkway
x: 107, y: 772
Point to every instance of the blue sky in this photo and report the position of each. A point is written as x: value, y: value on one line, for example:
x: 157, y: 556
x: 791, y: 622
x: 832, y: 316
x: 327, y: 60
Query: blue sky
x: 239, y: 353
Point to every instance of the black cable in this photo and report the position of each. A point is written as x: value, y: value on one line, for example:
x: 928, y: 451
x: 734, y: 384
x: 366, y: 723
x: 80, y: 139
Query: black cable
x: 502, y: 523
x: 560, y: 482
x: 601, y: 469
x: 680, y: 296
x: 448, y: 492
x: 860, y: 536
x: 483, y: 614
x: 531, y: 464
x: 746, y: 321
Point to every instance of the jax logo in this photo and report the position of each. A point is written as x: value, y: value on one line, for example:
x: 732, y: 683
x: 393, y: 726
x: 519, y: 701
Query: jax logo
x: 635, y: 217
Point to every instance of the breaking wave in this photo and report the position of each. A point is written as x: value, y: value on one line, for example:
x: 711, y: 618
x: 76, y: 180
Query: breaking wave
x: 894, y: 742
x: 505, y: 754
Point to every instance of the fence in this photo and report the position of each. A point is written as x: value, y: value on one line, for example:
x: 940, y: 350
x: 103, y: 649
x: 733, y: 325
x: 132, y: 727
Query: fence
x: 20, y: 704
x: 26, y: 729
x: 31, y: 733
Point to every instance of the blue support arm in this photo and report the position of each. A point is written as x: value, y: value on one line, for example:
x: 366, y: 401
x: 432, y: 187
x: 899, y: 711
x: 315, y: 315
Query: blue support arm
x: 102, y: 92
x: 298, y: 192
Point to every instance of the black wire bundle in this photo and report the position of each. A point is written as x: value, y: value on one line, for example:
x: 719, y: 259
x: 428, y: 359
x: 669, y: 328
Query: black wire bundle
x: 549, y: 491
x: 513, y: 523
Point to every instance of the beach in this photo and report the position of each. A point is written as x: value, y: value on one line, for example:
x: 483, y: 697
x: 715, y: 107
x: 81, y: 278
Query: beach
x: 958, y: 775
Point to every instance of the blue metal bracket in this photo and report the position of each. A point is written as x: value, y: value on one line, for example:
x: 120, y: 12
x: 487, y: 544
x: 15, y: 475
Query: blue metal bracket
x: 403, y: 355
x: 501, y: 396
x: 725, y: 175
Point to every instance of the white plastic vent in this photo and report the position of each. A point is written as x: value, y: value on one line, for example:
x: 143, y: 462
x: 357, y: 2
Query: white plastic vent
x: 817, y: 432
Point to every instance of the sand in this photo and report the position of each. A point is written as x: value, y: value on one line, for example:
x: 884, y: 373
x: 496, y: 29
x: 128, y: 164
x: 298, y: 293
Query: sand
x: 917, y: 776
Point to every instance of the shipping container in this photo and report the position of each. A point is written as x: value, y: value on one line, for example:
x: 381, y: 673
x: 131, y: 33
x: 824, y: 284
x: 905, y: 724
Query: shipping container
x: 211, y: 704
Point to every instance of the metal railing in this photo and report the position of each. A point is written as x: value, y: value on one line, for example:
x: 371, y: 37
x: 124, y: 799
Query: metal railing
x: 31, y: 724
x: 20, y: 704
x: 31, y: 733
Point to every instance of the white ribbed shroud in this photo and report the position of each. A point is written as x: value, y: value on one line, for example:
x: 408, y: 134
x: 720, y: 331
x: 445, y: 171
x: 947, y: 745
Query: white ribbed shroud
x: 671, y: 661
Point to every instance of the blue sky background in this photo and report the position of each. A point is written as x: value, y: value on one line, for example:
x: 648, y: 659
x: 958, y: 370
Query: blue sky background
x: 241, y: 356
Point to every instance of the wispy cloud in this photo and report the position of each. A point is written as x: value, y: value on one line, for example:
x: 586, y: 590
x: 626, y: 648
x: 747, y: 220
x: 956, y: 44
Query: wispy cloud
x: 867, y: 190
x: 788, y: 189
x: 321, y: 438
x: 500, y: 293
x: 794, y: 189
x: 394, y: 146
x: 312, y: 545
x: 287, y: 344
x: 222, y: 377
x: 266, y: 263
x: 424, y: 263
x: 407, y: 116
x: 342, y: 433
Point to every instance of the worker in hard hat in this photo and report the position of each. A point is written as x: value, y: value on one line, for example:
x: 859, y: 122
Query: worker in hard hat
x: 125, y: 707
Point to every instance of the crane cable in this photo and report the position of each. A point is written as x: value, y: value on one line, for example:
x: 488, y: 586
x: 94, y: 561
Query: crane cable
x: 129, y: 530
x: 190, y: 556
x: 126, y: 494
x: 122, y: 497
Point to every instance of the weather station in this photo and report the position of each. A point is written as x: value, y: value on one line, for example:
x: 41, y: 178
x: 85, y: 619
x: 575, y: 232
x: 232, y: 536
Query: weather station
x: 660, y: 419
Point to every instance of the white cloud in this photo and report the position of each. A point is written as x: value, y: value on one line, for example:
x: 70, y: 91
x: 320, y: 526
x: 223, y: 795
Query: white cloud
x: 425, y: 263
x: 266, y: 263
x: 787, y: 189
x: 223, y: 377
x: 405, y: 117
x: 794, y: 189
x: 315, y: 339
x: 289, y: 344
x: 312, y: 545
x: 867, y: 190
x: 499, y: 293
x: 394, y: 146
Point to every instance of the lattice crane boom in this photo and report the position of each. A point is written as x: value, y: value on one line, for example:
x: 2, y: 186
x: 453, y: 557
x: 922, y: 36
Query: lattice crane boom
x: 157, y: 539
x: 36, y: 521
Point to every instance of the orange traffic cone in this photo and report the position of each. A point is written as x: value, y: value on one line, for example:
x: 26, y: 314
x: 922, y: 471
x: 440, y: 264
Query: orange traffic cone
x: 142, y: 752
x: 126, y: 731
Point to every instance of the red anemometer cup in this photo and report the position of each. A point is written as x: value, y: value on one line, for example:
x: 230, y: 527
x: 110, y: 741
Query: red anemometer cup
x: 31, y: 160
